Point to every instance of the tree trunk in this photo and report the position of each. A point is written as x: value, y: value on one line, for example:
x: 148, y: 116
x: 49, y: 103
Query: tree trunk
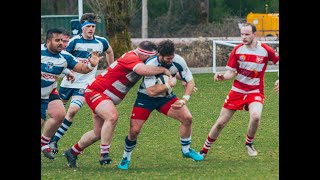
x: 204, y: 11
x: 117, y: 27
x: 117, y: 18
x: 71, y: 7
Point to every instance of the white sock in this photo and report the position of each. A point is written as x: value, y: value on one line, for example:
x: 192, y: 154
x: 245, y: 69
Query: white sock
x: 185, y: 148
x: 127, y: 155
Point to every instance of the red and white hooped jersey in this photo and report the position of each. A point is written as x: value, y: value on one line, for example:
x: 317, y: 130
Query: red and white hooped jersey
x: 118, y: 78
x: 250, y: 66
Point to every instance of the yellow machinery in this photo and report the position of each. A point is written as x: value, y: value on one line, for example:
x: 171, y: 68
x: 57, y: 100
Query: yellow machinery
x: 267, y: 24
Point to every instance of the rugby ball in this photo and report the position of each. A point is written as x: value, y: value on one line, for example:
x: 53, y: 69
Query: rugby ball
x: 162, y: 79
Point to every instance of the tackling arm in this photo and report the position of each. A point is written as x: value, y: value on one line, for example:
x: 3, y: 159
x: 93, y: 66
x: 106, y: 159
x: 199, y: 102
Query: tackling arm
x: 146, y: 70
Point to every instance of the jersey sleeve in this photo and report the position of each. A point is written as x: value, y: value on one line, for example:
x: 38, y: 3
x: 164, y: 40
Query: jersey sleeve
x: 273, y: 55
x: 183, y: 69
x: 71, y: 60
x: 105, y: 45
x: 232, y: 63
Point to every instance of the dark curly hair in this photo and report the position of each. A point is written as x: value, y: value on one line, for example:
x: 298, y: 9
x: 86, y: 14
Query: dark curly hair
x: 166, y: 48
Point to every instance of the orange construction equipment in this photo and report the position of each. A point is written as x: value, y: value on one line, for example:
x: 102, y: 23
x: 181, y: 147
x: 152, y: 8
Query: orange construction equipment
x: 267, y: 24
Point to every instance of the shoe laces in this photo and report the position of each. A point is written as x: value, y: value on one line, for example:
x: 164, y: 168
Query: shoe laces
x: 106, y: 155
x: 192, y: 150
x: 73, y: 157
x: 124, y: 161
x: 250, y: 146
x: 202, y: 153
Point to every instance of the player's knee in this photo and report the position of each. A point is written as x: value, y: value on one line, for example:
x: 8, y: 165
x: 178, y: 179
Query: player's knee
x: 187, y: 120
x: 220, y: 125
x: 134, y: 133
x: 58, y: 115
x: 114, y: 118
x: 255, y: 117
x: 96, y: 135
x: 72, y: 112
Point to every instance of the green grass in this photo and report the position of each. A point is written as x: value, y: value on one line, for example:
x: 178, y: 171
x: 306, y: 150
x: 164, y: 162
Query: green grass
x: 157, y: 154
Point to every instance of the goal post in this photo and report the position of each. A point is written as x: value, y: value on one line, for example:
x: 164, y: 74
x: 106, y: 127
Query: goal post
x: 217, y: 68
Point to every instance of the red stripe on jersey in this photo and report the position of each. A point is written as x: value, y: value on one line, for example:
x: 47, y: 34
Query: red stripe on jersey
x: 261, y: 55
x: 120, y: 72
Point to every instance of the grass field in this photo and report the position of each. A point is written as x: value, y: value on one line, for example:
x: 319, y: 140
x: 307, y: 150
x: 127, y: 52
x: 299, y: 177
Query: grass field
x: 157, y: 154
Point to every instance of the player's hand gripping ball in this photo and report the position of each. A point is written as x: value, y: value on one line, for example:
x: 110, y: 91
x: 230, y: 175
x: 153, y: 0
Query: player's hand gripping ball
x: 163, y: 79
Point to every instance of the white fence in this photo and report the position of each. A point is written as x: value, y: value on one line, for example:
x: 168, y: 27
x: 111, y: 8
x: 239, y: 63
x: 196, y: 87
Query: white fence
x: 216, y: 41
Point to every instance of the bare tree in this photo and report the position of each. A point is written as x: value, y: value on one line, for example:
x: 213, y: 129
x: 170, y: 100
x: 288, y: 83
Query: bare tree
x: 117, y: 15
x: 169, y: 9
x: 203, y: 11
x: 71, y: 6
x: 54, y: 5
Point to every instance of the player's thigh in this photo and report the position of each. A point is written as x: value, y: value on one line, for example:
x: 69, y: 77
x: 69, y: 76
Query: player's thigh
x: 182, y: 114
x: 255, y: 109
x: 225, y: 115
x: 106, y: 110
x: 56, y: 109
x: 136, y: 125
x: 65, y: 93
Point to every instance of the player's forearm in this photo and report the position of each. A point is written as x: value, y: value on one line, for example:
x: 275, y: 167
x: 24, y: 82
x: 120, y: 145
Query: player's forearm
x: 146, y: 70
x: 229, y: 74
x: 110, y: 58
x: 189, y: 88
x: 156, y: 89
x: 66, y: 71
x: 83, y: 68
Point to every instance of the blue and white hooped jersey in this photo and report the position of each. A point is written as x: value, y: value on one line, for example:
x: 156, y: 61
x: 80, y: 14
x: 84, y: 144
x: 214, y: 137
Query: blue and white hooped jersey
x: 52, y: 66
x: 82, y: 48
x: 178, y: 65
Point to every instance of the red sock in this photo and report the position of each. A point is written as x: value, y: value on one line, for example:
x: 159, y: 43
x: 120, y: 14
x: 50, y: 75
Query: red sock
x: 249, y: 140
x: 104, y: 149
x: 44, y: 141
x: 76, y: 150
x: 207, y: 144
